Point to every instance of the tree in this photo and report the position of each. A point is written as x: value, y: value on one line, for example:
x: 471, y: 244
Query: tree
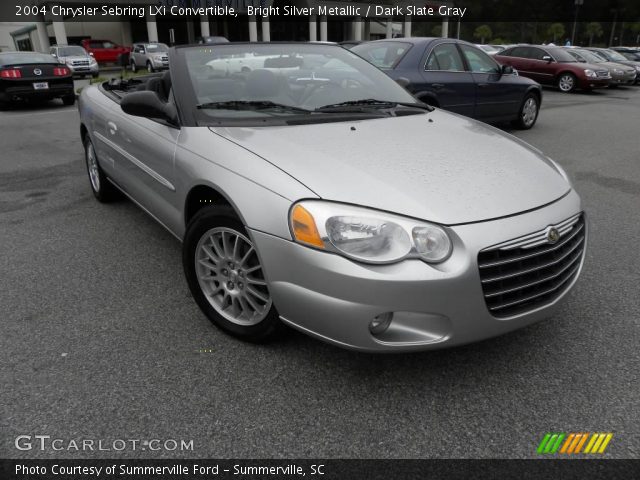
x: 483, y: 32
x: 635, y: 29
x: 556, y: 30
x: 594, y: 29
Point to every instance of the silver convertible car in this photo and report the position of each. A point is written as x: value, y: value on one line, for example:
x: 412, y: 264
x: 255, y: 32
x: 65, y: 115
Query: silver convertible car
x: 309, y: 189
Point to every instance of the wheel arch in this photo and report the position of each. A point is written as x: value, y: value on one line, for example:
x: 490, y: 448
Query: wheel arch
x: 84, y: 132
x: 566, y: 71
x: 202, y: 195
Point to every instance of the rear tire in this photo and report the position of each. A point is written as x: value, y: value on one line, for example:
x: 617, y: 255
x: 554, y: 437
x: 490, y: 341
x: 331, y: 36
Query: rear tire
x: 567, y: 82
x: 528, y: 113
x: 226, y: 278
x: 134, y: 67
x: 69, y: 100
x: 102, y: 189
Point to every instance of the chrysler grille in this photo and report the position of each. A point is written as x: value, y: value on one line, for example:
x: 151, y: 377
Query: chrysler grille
x: 529, y: 272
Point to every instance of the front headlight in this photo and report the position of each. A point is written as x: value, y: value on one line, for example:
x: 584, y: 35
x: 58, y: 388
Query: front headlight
x: 617, y: 71
x: 367, y: 235
x: 637, y: 68
x: 589, y: 73
x: 92, y: 61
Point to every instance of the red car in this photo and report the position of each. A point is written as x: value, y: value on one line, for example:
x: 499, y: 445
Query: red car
x: 550, y: 65
x: 104, y: 51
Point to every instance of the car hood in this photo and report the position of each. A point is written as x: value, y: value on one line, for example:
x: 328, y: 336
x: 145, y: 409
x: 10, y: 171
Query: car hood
x: 617, y: 65
x: 436, y: 166
x: 75, y: 58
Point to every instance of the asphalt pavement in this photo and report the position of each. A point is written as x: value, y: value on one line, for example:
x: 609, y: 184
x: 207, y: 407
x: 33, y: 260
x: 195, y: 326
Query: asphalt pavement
x: 99, y: 338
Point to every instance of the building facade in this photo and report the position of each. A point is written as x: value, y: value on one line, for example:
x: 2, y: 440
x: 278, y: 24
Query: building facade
x: 125, y: 30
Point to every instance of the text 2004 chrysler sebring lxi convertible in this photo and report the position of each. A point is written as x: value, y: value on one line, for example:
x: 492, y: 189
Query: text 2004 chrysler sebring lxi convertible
x: 309, y: 188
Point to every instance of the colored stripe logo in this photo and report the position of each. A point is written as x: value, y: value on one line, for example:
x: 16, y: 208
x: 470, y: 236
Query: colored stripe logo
x: 572, y: 443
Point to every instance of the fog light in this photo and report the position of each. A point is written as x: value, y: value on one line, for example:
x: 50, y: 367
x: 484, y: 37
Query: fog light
x: 380, y: 323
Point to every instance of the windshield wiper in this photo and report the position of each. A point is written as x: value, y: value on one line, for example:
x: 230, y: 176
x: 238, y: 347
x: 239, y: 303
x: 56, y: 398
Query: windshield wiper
x: 370, y: 102
x: 250, y: 105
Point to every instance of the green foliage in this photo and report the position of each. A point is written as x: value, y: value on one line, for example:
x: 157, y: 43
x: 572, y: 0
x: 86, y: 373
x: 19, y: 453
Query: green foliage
x: 482, y: 33
x: 593, y: 29
x: 556, y: 31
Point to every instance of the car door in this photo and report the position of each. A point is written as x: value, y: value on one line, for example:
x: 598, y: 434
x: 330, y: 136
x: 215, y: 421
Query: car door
x: 446, y: 79
x: 496, y: 95
x: 137, y: 54
x: 145, y: 151
x: 517, y: 57
x: 543, y: 66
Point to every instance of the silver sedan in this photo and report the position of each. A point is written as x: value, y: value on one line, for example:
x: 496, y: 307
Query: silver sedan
x: 311, y: 190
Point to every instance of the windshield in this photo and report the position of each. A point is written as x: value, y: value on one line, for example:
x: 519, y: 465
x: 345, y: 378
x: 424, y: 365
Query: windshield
x: 262, y: 80
x: 613, y: 55
x: 25, y: 58
x: 489, y: 48
x: 562, y: 55
x: 384, y: 55
x: 157, y: 47
x: 71, y: 52
x: 102, y: 44
x: 587, y: 55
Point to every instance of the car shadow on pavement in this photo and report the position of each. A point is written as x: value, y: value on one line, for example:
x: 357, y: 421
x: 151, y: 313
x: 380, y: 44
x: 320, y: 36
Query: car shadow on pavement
x: 33, y: 106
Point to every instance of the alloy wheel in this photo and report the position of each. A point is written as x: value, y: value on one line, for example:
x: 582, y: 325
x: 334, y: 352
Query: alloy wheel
x: 231, y: 277
x: 566, y: 83
x: 92, y: 166
x: 529, y: 111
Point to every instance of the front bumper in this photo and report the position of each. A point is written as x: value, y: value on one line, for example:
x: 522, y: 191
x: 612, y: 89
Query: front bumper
x: 159, y: 64
x: 78, y: 70
x: 594, y: 82
x: 335, y: 299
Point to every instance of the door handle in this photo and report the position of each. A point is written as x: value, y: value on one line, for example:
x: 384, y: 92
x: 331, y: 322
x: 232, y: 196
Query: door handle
x: 481, y: 85
x: 113, y: 128
x: 437, y: 86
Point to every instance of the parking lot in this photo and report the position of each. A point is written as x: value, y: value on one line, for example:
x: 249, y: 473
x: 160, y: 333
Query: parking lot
x: 100, y: 338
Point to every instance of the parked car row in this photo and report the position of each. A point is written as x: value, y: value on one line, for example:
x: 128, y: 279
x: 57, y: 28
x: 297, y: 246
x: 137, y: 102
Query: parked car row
x: 569, y: 68
x: 457, y: 76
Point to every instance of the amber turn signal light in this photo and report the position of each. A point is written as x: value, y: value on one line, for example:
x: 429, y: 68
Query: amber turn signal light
x: 304, y: 227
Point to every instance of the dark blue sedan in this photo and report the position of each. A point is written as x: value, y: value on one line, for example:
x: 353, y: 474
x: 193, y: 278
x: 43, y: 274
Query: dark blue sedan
x: 457, y: 76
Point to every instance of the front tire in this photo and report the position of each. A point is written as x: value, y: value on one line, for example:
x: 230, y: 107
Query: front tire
x: 528, y: 113
x: 150, y: 68
x: 69, y: 100
x: 102, y: 189
x: 226, y: 278
x: 567, y: 82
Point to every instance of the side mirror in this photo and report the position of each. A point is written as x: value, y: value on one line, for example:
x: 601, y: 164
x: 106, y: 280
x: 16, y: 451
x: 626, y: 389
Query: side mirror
x: 506, y: 70
x: 91, y: 53
x: 54, y: 55
x: 403, y: 82
x: 547, y: 59
x: 147, y: 104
